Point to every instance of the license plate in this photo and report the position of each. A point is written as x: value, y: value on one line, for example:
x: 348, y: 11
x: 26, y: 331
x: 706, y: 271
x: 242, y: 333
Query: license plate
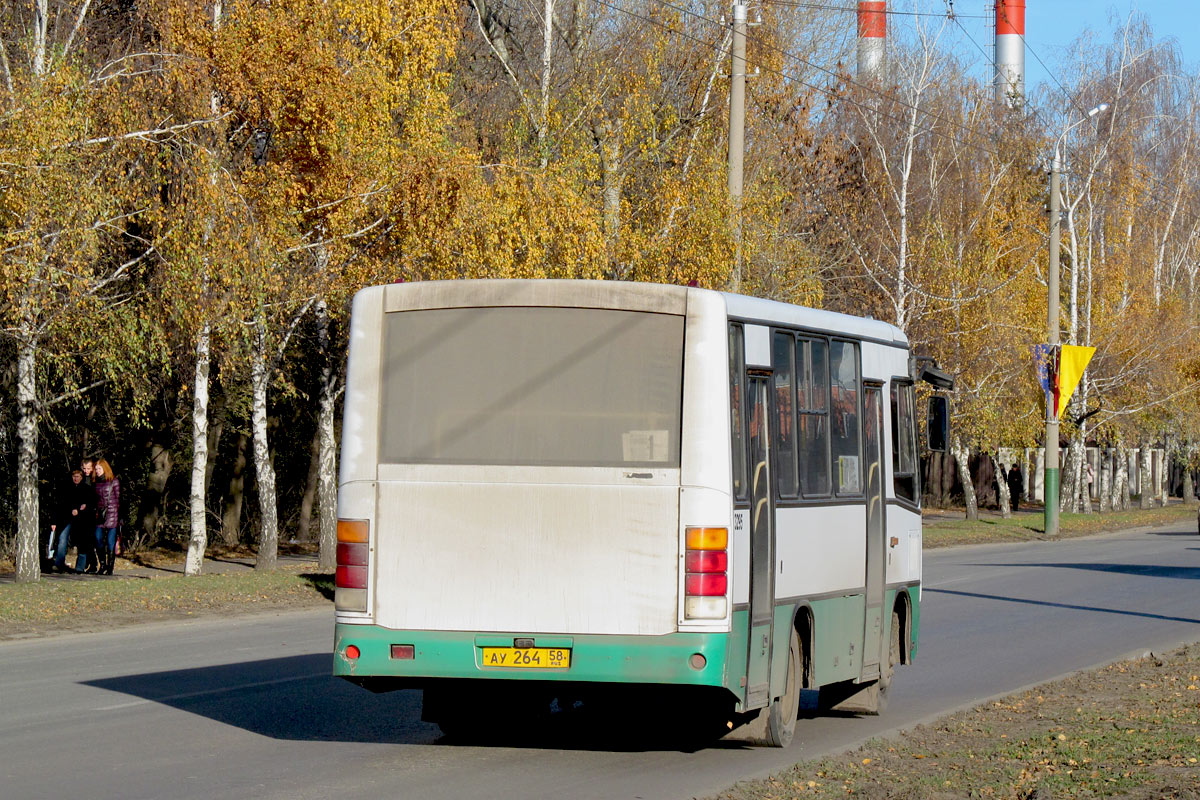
x: 527, y: 657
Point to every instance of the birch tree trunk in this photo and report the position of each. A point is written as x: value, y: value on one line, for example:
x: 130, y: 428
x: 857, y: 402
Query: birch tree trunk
x: 1085, y: 486
x: 1072, y: 476
x: 41, y: 21
x: 608, y: 141
x: 1122, y: 498
x: 1104, y: 492
x: 962, y: 457
x: 197, y: 500
x: 264, y: 470
x: 547, y: 44
x: 1164, y: 482
x: 1146, y: 478
x: 1002, y: 494
x: 27, y: 562
x: 198, y: 541
x: 327, y: 472
x: 578, y: 26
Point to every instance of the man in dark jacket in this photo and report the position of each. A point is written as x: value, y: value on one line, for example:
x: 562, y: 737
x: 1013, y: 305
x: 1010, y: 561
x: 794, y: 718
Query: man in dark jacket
x: 75, y: 522
x: 1015, y: 484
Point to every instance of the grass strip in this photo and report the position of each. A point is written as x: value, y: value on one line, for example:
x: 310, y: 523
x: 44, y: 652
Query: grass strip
x: 947, y: 532
x: 1129, y: 730
x: 32, y: 608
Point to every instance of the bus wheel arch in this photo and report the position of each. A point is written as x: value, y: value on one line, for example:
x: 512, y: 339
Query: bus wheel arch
x: 802, y: 624
x: 895, y: 653
x: 903, y: 609
x: 783, y: 711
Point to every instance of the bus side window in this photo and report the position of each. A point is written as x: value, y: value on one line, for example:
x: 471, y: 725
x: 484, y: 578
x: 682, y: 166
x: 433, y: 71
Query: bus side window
x: 737, y: 425
x: 783, y: 358
x: 843, y: 396
x: 904, y: 442
x: 812, y: 382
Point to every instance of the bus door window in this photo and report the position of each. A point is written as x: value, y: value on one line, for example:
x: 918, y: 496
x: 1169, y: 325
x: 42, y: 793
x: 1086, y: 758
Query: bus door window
x: 783, y: 357
x: 843, y: 396
x: 737, y: 371
x: 812, y: 371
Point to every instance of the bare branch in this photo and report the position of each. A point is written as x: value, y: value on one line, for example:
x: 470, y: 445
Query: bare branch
x: 75, y: 30
x: 62, y: 398
x: 151, y: 134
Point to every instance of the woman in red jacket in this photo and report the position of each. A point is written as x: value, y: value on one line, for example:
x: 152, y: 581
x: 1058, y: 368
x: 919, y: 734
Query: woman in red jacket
x: 108, y: 515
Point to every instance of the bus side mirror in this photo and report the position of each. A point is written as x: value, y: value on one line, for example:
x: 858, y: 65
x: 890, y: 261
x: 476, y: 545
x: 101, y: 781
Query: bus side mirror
x: 938, y: 423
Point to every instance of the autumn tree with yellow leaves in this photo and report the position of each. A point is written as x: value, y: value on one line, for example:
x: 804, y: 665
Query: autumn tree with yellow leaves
x: 193, y: 191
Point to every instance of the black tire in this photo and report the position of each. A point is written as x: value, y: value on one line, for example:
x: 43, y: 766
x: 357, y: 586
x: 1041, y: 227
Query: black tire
x: 887, y: 670
x: 448, y: 707
x: 782, y: 713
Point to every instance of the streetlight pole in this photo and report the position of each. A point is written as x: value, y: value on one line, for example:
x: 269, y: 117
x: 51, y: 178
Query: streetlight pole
x: 1051, y: 480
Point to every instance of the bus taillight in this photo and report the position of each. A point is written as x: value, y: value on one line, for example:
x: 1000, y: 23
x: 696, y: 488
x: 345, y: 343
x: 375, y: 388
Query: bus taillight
x: 706, y: 582
x: 353, y: 551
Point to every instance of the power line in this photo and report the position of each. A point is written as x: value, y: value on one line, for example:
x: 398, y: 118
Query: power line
x: 843, y: 78
x: 851, y: 9
x: 804, y: 62
x: 1139, y: 169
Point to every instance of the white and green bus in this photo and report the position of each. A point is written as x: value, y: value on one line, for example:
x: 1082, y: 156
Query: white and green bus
x: 559, y: 488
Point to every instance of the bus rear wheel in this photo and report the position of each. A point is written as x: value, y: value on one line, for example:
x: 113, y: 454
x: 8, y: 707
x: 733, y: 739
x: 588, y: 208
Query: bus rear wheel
x: 888, y: 672
x: 781, y: 715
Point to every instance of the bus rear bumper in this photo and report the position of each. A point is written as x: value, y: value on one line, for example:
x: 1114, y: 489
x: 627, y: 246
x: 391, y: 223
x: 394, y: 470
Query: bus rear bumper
x: 685, y: 659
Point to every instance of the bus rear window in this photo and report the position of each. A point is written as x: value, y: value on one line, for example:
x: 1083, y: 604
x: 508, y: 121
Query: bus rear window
x: 528, y: 386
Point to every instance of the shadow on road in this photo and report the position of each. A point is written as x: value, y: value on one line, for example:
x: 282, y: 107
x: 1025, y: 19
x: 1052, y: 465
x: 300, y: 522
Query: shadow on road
x: 1143, y: 570
x: 291, y: 698
x: 1120, y: 611
x: 296, y: 698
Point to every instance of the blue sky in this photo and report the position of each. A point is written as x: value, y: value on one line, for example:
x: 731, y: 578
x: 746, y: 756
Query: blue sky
x: 1052, y: 25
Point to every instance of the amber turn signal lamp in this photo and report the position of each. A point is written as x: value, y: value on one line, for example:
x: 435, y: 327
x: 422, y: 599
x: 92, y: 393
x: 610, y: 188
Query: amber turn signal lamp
x: 352, y: 530
x: 707, y: 538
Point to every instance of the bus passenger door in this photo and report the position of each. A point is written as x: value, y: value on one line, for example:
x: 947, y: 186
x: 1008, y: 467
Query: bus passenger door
x: 762, y: 540
x: 876, y: 545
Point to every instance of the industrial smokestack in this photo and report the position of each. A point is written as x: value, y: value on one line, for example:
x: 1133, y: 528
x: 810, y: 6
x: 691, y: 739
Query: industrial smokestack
x: 1010, y: 52
x: 872, y: 38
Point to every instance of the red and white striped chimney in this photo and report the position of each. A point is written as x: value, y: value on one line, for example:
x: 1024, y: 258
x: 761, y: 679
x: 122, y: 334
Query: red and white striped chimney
x: 872, y: 38
x: 1010, y: 52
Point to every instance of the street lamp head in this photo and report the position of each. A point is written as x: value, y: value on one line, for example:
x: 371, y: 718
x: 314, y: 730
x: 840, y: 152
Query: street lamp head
x: 1098, y: 110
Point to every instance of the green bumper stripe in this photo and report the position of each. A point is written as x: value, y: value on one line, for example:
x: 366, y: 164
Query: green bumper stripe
x: 608, y: 659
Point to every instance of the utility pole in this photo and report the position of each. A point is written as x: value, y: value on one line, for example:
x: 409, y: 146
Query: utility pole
x: 737, y: 135
x: 1051, y: 479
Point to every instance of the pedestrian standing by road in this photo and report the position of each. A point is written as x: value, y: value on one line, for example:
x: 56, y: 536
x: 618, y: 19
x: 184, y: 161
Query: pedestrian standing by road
x: 1015, y: 485
x: 108, y: 515
x: 74, y: 514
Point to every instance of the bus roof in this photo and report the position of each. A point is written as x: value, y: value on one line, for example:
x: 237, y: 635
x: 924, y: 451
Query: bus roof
x: 756, y: 309
x: 665, y: 298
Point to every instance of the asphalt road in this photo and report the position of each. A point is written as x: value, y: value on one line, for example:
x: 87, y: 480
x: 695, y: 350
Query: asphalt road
x: 245, y: 707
